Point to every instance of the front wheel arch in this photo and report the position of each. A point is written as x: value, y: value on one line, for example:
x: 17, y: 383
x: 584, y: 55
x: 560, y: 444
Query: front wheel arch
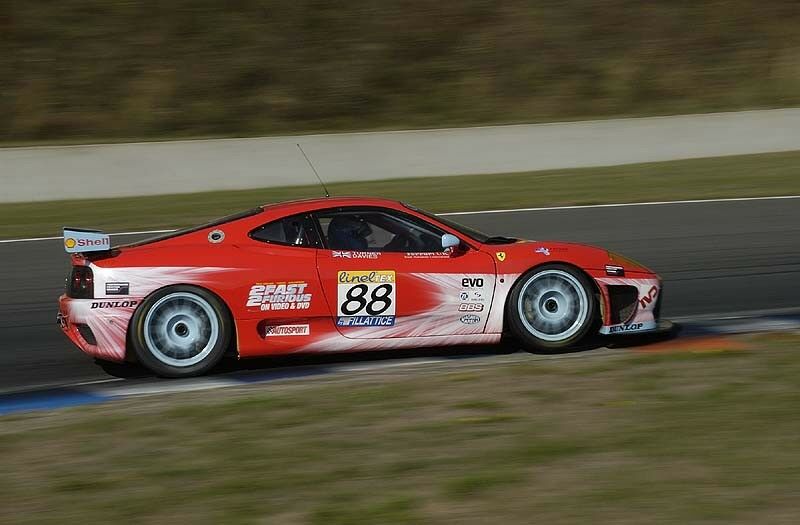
x: 594, y: 319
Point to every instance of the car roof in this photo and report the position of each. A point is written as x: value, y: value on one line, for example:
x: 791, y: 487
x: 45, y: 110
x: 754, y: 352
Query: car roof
x: 330, y: 202
x: 273, y: 210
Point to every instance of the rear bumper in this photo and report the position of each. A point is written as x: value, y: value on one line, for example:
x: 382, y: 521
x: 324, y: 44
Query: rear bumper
x: 94, y: 327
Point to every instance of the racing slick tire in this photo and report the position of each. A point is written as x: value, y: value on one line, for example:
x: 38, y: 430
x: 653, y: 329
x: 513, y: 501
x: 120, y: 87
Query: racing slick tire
x: 181, y: 331
x: 551, y: 308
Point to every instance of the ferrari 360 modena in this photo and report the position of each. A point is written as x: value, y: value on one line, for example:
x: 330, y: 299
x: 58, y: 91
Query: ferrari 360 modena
x: 340, y: 275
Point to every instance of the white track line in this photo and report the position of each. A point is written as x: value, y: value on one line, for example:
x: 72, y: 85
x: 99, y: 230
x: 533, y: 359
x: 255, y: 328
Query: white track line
x: 490, y: 212
x: 163, y: 387
x: 623, y: 205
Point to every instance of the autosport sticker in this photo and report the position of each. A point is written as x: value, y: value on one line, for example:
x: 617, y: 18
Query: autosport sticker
x: 286, y: 330
x: 279, y: 296
x: 366, y: 298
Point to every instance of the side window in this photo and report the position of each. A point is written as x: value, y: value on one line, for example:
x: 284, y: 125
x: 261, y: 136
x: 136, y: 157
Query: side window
x: 297, y: 230
x: 377, y: 230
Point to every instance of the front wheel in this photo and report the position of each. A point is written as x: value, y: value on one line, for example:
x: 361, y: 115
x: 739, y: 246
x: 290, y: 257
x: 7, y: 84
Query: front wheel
x: 551, y: 308
x: 181, y: 331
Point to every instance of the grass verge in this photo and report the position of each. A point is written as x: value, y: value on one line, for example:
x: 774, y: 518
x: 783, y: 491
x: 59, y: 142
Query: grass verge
x: 738, y: 176
x: 659, y: 438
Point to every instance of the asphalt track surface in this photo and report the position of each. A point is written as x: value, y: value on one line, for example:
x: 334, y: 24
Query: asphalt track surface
x: 716, y: 258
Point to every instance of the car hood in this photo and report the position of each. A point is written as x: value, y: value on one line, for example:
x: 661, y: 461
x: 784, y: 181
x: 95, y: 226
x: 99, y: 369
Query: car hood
x: 524, y: 253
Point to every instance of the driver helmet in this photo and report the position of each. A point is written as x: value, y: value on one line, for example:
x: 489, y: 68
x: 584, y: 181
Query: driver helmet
x: 348, y: 232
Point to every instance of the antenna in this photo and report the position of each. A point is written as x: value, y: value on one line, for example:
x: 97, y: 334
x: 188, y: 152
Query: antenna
x: 314, y: 170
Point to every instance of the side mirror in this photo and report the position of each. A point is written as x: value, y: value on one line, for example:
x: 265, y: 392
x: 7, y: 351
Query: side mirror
x: 450, y: 241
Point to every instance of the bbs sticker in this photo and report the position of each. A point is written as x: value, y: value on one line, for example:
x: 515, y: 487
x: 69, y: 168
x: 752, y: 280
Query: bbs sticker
x: 366, y: 298
x: 470, y: 307
x: 279, y: 296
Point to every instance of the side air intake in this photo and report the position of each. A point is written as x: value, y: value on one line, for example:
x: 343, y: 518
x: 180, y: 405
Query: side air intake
x: 624, y: 300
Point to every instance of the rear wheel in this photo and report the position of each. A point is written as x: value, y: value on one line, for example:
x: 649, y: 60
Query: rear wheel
x: 181, y: 331
x: 551, y: 308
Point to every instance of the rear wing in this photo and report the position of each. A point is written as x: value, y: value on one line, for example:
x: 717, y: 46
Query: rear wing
x: 79, y: 240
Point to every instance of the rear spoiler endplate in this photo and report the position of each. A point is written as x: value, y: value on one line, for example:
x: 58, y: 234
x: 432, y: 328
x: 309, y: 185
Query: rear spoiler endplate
x: 81, y: 240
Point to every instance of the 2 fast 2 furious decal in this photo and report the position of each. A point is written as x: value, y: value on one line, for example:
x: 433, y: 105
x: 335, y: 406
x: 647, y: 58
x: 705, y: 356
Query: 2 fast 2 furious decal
x: 279, y: 296
x: 366, y: 298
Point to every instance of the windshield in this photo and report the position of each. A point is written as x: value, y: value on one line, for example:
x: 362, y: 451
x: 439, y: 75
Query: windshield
x: 469, y: 232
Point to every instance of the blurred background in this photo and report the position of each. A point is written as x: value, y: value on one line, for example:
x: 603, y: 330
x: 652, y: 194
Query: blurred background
x: 83, y: 70
x: 701, y: 428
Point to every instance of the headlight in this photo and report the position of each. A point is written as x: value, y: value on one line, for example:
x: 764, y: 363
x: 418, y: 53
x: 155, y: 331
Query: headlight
x: 626, y: 262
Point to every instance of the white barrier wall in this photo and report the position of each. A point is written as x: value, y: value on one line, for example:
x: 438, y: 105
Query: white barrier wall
x: 114, y: 170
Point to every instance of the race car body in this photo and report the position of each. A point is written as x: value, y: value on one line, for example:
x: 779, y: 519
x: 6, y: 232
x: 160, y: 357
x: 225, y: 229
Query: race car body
x: 337, y: 275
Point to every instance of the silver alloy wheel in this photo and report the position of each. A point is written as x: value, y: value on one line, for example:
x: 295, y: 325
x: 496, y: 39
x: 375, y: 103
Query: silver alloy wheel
x: 553, y: 305
x: 181, y: 329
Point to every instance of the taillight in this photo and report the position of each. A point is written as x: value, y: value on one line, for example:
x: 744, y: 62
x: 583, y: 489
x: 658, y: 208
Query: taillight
x: 81, y: 283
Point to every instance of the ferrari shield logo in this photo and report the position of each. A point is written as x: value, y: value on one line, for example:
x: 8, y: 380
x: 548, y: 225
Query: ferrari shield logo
x: 501, y: 256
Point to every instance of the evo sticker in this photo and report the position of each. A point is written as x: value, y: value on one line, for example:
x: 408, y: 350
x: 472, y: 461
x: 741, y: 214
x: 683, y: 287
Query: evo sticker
x: 366, y: 298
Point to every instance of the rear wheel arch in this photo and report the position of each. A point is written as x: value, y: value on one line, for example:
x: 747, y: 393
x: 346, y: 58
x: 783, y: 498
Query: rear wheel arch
x: 134, y: 339
x: 207, y: 290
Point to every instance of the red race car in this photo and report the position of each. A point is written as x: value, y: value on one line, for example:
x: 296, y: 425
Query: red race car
x: 339, y: 275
